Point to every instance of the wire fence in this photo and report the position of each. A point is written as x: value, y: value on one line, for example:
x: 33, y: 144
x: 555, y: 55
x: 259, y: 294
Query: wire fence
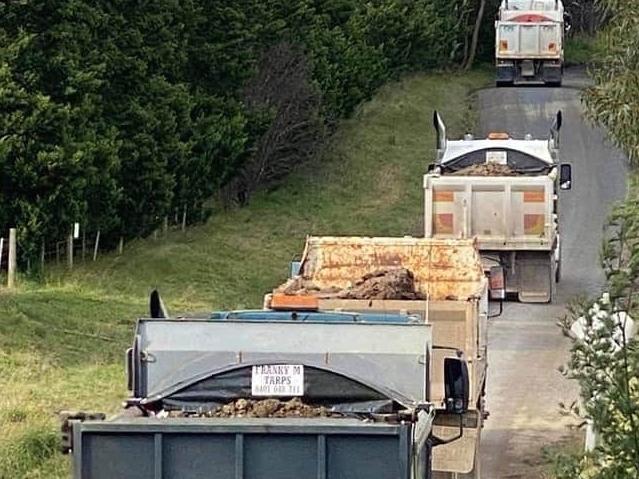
x: 80, y: 246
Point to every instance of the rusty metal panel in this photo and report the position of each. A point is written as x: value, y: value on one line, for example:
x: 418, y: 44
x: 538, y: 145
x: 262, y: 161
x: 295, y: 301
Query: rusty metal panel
x: 443, y: 269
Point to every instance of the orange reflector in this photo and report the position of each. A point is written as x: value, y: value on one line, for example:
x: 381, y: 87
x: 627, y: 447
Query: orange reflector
x: 443, y: 224
x: 443, y: 196
x: 289, y: 301
x: 534, y: 225
x: 498, y: 136
x: 534, y: 197
x: 552, y: 46
x: 503, y: 45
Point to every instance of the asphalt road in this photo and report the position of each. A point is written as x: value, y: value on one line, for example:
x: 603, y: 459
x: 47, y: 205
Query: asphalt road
x: 525, y: 345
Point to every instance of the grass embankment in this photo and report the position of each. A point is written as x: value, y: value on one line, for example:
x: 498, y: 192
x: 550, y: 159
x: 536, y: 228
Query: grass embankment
x: 62, y: 343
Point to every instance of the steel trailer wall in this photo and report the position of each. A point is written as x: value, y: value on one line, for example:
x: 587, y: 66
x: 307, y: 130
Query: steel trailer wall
x: 199, y: 448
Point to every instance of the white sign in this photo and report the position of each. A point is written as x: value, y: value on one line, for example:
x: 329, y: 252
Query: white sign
x: 278, y: 380
x: 76, y: 230
x: 498, y: 157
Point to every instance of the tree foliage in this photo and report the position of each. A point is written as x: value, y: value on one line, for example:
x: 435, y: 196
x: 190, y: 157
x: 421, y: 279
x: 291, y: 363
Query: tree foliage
x: 119, y: 114
x: 614, y: 100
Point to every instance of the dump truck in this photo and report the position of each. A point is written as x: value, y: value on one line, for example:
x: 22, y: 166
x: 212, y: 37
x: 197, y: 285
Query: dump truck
x: 505, y: 193
x: 442, y: 282
x: 530, y: 42
x: 277, y: 394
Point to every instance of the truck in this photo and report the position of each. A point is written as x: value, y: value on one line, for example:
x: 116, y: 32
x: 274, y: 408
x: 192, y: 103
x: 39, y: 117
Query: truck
x: 284, y: 393
x: 449, y: 292
x: 529, y: 38
x: 504, y: 193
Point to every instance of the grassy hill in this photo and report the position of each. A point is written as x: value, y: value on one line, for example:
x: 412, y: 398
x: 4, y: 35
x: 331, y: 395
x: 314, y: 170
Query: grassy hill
x: 62, y: 341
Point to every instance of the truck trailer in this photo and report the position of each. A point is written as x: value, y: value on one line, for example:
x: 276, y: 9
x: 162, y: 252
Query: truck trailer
x: 529, y: 37
x: 449, y: 293
x: 505, y: 193
x: 365, y: 378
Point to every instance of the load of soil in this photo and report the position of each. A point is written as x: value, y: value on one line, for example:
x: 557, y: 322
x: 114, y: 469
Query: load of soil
x: 262, y: 408
x: 392, y: 283
x: 486, y: 169
x: 396, y: 283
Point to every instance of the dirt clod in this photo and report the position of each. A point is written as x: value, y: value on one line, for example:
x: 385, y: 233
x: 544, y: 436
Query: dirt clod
x: 486, y: 169
x: 396, y: 283
x: 391, y: 283
x: 261, y: 408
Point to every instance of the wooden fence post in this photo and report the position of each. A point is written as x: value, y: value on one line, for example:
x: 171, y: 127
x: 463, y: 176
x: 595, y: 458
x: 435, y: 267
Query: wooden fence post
x: 1, y: 251
x: 184, y: 219
x: 11, y: 276
x: 70, y: 250
x: 84, y: 243
x: 121, y: 245
x: 42, y: 254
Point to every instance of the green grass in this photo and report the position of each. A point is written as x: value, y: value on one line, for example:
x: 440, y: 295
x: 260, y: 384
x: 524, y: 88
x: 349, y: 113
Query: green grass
x: 62, y: 341
x: 580, y: 50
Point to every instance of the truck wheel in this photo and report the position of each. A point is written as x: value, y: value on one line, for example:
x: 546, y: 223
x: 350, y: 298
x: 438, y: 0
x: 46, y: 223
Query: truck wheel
x: 502, y: 83
x: 554, y: 84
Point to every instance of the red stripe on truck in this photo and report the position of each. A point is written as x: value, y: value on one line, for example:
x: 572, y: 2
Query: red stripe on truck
x: 531, y: 18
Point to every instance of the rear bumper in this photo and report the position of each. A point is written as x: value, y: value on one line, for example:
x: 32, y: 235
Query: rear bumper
x: 529, y: 70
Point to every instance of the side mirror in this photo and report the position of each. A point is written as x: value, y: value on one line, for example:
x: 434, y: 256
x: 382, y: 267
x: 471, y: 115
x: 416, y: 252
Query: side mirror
x: 497, y: 283
x: 295, y: 268
x: 456, y: 385
x: 565, y: 177
x: 156, y: 306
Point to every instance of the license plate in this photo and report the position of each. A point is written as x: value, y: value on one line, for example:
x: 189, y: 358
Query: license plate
x: 277, y: 380
x: 497, y: 157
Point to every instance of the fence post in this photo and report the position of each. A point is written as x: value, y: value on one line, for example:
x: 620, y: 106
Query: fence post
x: 1, y: 251
x: 165, y: 226
x: 96, y: 245
x: 184, y: 219
x: 70, y: 250
x: 84, y: 243
x: 121, y: 245
x: 11, y: 276
x: 42, y: 254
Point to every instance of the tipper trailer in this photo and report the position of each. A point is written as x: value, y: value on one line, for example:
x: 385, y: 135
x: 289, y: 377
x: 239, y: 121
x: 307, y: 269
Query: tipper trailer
x: 453, y: 291
x: 529, y: 37
x: 368, y: 374
x: 505, y: 193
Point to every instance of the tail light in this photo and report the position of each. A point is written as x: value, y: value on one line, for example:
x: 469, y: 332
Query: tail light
x: 503, y: 45
x: 497, y: 283
x: 552, y: 46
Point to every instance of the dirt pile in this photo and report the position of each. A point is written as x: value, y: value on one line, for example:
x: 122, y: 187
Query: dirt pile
x: 393, y: 283
x: 486, y: 169
x: 396, y: 283
x: 261, y: 408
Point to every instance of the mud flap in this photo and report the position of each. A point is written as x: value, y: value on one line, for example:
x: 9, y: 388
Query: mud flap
x: 536, y: 278
x: 459, y: 456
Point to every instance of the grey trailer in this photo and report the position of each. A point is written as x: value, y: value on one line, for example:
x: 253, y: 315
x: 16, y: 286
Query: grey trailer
x: 245, y: 448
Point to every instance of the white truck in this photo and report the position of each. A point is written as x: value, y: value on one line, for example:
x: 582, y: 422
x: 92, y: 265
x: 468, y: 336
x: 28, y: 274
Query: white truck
x: 530, y: 41
x: 504, y: 192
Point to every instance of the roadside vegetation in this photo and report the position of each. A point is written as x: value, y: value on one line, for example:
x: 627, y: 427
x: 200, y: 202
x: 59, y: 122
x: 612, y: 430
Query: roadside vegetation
x: 62, y: 341
x: 605, y: 357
